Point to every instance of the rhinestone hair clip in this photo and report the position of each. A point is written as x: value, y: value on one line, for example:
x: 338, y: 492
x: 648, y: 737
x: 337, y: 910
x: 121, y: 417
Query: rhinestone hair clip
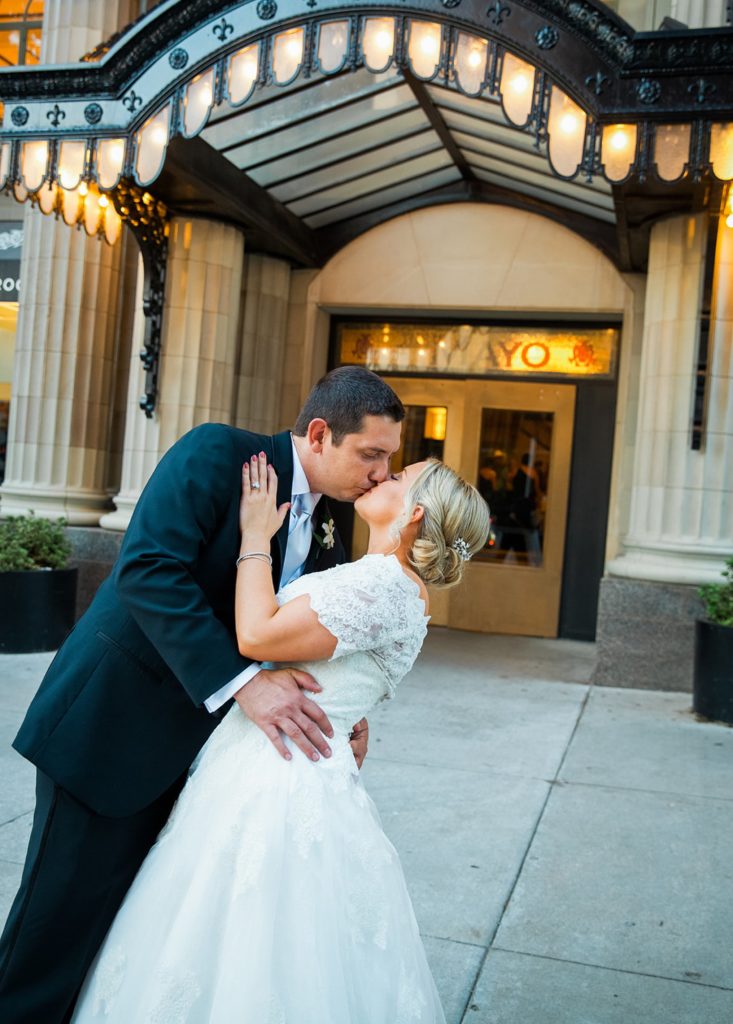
x: 461, y: 547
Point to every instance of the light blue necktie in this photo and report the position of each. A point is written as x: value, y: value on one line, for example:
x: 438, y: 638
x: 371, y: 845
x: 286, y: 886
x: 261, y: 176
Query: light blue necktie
x: 300, y: 534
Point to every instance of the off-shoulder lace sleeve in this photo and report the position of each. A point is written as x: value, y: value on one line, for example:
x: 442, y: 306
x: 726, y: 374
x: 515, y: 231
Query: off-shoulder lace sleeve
x: 368, y: 605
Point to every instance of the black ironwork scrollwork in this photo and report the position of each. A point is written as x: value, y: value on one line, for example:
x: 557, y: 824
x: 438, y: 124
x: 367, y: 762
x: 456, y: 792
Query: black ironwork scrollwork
x: 497, y: 12
x: 547, y: 37
x: 648, y: 90
x: 147, y: 218
x: 132, y: 101
x: 266, y: 10
x: 93, y: 113
x: 56, y: 115
x: 222, y: 30
x: 178, y: 58
x: 701, y: 89
x: 597, y: 82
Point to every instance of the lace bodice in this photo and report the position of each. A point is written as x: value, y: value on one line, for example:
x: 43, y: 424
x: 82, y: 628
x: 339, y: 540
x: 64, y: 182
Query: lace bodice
x: 377, y: 616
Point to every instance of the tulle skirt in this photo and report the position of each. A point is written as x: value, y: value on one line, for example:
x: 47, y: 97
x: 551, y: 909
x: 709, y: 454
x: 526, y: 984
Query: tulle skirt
x: 272, y: 896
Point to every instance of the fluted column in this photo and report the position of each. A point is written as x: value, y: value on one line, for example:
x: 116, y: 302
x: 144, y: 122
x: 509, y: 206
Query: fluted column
x: 648, y: 14
x: 681, y: 519
x: 199, y: 347
x: 262, y: 353
x: 700, y: 13
x: 67, y: 336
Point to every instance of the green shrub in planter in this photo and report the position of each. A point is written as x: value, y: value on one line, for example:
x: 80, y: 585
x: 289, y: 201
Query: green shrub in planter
x: 712, y: 688
x: 30, y: 542
x: 37, y: 590
x: 718, y: 597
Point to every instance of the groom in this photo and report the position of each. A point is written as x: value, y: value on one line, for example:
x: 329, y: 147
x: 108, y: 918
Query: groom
x: 150, y: 669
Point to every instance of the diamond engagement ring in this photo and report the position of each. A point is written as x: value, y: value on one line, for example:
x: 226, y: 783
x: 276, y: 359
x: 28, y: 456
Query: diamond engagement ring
x: 255, y: 486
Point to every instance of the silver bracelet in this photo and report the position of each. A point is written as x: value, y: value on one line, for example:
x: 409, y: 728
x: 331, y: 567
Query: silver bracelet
x: 262, y: 555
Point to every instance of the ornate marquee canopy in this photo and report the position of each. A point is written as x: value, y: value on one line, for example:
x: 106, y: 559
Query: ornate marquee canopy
x: 309, y: 121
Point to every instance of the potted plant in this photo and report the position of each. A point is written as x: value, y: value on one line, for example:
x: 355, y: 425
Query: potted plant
x: 712, y: 690
x: 37, y: 590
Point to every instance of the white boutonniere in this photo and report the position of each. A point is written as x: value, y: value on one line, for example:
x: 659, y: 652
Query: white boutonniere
x: 329, y: 530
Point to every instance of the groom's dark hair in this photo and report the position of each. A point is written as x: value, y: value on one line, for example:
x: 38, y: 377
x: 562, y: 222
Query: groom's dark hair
x: 344, y: 397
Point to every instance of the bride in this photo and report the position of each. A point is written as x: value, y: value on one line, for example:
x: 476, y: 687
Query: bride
x: 272, y: 895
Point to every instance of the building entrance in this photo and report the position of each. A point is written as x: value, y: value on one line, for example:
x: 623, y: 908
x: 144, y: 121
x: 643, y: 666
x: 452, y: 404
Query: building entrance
x: 514, y: 441
x: 526, y: 412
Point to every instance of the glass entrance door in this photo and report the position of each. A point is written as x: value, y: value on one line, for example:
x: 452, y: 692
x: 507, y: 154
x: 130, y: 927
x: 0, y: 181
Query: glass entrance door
x: 513, y: 440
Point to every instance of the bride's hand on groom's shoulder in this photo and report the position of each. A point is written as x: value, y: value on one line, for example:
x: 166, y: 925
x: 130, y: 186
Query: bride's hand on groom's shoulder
x: 259, y: 515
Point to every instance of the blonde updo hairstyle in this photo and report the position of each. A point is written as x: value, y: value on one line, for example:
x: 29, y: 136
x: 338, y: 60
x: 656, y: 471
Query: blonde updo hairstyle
x: 453, y: 510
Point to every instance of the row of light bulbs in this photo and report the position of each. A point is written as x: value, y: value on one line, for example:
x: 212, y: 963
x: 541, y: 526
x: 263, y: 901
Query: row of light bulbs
x: 70, y: 188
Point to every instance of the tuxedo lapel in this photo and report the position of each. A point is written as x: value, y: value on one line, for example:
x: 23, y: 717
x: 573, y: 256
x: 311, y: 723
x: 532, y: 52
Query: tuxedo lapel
x: 282, y: 460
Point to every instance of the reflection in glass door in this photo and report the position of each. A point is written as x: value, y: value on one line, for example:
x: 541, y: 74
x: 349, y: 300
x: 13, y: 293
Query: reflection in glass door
x: 423, y: 435
x: 513, y: 470
x: 514, y: 440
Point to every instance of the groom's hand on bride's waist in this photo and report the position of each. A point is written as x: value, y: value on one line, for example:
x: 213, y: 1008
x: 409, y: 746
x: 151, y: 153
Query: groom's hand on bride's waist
x: 274, y: 700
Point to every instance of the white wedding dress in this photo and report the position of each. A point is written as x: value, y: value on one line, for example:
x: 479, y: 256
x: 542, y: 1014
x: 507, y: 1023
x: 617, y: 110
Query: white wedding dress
x: 272, y: 895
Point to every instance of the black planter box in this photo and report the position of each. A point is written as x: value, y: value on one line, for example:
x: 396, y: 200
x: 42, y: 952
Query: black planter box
x: 38, y: 609
x: 712, y: 687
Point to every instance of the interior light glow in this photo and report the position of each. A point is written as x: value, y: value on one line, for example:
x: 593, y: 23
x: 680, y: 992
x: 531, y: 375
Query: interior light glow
x: 378, y: 42
x: 618, y: 150
x: 197, y: 105
x: 517, y: 88
x: 243, y: 71
x: 287, y: 54
x: 566, y: 129
x: 424, y: 47
x: 71, y: 163
x: 110, y: 158
x: 721, y: 150
x: 33, y: 162
x: 152, y: 141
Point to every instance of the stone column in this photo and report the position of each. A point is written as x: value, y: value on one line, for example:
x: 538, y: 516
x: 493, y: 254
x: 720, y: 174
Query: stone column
x: 681, y: 516
x: 700, y: 13
x: 67, y: 337
x: 197, y: 374
x: 681, y: 522
x: 266, y: 295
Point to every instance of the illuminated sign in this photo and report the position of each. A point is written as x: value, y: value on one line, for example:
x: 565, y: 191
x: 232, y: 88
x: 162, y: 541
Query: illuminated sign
x: 479, y: 349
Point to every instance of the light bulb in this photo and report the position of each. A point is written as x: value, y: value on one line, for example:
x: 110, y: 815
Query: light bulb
x: 519, y: 84
x: 158, y: 135
x: 729, y: 220
x: 474, y: 58
x: 568, y: 123
x: 429, y: 45
x: 293, y: 47
x: 619, y: 140
x: 83, y: 188
x: 103, y: 201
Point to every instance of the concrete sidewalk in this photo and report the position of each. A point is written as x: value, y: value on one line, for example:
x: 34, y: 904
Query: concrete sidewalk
x: 569, y: 849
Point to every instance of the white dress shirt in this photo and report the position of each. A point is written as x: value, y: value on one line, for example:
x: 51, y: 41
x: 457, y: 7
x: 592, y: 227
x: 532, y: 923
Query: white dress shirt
x: 300, y: 486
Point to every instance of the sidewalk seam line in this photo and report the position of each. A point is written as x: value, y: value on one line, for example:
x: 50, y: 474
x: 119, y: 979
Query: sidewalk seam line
x: 615, y: 970
x: 540, y: 816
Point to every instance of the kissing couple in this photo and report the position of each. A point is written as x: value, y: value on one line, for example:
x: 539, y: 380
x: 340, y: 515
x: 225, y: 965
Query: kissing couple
x: 203, y: 849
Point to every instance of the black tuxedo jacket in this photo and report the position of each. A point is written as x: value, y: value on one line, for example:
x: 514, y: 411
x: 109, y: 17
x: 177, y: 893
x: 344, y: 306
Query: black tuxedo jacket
x: 119, y: 715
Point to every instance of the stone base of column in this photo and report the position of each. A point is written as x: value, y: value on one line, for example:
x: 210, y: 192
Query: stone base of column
x: 120, y: 518
x: 93, y: 552
x: 78, y: 506
x: 645, y: 634
x: 685, y: 564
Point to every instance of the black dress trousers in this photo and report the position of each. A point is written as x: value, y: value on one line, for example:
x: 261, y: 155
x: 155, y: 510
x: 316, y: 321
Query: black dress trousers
x: 78, y: 868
